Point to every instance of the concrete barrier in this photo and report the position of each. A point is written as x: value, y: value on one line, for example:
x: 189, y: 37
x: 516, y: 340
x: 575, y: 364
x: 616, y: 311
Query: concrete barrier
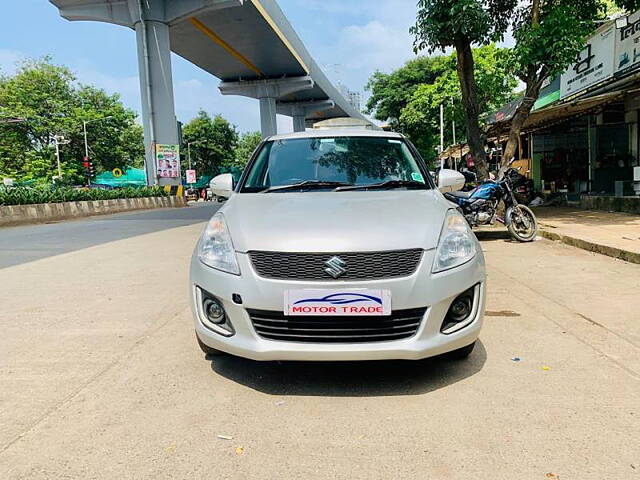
x: 51, y: 212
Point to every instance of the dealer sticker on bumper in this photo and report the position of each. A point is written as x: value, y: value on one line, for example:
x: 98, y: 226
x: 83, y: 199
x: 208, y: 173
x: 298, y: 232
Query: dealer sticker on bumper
x: 336, y: 303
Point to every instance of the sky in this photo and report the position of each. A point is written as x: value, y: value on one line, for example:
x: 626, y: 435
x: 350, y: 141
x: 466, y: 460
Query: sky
x: 350, y: 39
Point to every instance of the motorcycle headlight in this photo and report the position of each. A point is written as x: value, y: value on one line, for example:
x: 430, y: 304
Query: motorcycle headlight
x: 215, y: 248
x: 457, y: 243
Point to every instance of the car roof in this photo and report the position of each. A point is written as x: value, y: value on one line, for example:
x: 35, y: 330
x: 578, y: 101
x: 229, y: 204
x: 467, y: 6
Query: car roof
x: 337, y: 132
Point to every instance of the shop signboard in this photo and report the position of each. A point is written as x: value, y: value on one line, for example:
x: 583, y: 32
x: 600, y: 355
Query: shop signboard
x: 594, y: 64
x: 628, y: 45
x: 168, y: 160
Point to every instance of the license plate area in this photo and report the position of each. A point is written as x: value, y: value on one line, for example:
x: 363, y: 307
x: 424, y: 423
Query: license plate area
x: 337, y: 303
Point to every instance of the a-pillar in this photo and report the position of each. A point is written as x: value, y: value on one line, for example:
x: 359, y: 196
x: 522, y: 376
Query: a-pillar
x: 268, y: 92
x: 156, y: 84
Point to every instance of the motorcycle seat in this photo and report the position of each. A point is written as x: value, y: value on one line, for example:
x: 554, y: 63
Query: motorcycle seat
x: 465, y: 195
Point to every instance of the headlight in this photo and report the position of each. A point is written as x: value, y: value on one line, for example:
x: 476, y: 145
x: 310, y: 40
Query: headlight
x: 216, y: 249
x: 457, y: 243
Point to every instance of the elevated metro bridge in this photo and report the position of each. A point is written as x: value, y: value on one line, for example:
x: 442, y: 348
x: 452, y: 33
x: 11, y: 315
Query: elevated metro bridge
x: 248, y: 44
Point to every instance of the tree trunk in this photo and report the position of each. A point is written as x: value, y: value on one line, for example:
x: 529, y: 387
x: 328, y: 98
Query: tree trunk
x: 534, y: 84
x: 475, y: 136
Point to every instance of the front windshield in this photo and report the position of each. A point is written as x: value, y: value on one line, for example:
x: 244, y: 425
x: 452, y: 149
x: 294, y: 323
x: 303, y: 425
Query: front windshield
x: 355, y: 161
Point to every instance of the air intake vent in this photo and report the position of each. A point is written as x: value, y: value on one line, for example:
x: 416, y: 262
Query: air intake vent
x: 400, y: 325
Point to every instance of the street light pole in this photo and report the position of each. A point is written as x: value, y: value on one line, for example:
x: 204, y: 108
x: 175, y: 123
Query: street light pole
x: 455, y: 162
x: 86, y: 143
x: 86, y: 148
x: 58, y: 157
x: 59, y: 140
x: 441, y: 135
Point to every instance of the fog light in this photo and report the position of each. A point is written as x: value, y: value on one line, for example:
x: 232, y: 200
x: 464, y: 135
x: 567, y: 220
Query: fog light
x: 212, y: 314
x: 461, y: 312
x: 460, y: 309
x: 214, y: 311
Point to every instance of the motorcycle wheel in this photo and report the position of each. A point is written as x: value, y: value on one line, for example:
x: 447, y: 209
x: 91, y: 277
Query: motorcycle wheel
x: 522, y: 224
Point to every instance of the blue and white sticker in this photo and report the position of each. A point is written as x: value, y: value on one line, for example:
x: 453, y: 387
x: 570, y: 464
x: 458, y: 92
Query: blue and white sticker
x: 417, y: 177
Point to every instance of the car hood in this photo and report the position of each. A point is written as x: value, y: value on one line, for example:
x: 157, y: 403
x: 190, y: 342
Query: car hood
x: 335, y: 221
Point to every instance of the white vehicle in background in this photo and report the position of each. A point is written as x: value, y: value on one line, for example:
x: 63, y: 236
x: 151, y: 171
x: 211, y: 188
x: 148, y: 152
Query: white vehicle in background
x: 338, y: 245
x: 221, y: 187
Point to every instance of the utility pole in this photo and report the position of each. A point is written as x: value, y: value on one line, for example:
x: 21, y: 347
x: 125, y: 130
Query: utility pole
x: 58, y: 158
x: 59, y: 140
x: 453, y: 120
x: 86, y: 149
x: 441, y: 135
x: 454, y: 123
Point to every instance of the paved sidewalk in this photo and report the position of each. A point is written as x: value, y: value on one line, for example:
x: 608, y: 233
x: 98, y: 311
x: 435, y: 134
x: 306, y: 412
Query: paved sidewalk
x: 614, y: 234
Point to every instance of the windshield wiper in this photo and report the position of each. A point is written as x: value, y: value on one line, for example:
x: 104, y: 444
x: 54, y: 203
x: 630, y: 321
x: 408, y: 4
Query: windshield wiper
x: 388, y: 185
x: 308, y: 184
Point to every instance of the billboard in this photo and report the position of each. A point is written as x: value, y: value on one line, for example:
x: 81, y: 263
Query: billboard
x: 168, y: 160
x: 594, y: 64
x: 628, y: 45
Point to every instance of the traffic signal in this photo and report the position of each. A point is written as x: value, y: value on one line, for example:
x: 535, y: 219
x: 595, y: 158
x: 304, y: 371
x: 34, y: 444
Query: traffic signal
x: 89, y: 169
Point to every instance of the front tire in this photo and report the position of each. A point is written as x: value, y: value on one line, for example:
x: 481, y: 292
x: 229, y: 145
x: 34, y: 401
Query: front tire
x: 462, y: 353
x: 207, y: 350
x: 522, y: 224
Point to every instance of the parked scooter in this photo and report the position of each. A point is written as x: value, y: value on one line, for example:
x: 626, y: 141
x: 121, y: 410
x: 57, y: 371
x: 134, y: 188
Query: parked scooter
x: 480, y: 206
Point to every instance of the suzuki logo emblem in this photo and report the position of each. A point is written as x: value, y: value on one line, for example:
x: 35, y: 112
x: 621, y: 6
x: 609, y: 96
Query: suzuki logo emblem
x: 336, y: 267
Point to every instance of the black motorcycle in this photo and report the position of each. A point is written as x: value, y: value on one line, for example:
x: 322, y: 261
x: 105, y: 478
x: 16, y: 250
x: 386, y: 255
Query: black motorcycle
x: 480, y: 206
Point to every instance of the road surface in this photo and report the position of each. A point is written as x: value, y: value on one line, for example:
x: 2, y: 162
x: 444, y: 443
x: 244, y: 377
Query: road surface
x: 32, y: 242
x: 101, y: 377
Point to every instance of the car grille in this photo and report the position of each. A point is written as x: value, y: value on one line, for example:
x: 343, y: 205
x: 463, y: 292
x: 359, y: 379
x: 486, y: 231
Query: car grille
x: 400, y: 325
x: 358, y: 266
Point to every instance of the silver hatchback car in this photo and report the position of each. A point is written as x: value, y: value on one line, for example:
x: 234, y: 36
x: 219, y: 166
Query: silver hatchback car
x: 338, y: 245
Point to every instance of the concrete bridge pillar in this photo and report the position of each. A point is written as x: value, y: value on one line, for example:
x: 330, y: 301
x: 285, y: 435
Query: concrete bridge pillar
x: 268, y: 122
x: 156, y: 83
x: 300, y: 121
x: 268, y: 92
x: 300, y: 110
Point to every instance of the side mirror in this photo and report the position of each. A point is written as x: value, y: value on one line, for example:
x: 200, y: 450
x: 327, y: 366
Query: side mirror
x: 450, y: 181
x: 222, y: 186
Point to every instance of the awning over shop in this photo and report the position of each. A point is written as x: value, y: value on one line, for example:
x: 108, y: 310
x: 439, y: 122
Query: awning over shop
x: 558, y: 113
x: 455, y: 151
x: 565, y: 111
x: 506, y: 113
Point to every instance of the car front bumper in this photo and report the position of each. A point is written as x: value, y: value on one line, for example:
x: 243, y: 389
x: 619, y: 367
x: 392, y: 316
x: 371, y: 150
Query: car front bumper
x: 422, y: 289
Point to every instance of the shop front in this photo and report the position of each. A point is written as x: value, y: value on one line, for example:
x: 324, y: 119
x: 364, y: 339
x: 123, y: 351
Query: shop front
x: 593, y: 152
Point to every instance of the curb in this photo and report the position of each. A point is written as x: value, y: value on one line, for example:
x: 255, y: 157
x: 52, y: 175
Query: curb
x: 14, y: 215
x: 627, y: 256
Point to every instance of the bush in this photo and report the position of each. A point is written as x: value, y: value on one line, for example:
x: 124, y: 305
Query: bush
x: 51, y: 194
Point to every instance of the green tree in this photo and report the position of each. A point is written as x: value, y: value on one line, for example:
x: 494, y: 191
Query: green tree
x: 441, y: 24
x: 247, y: 144
x: 391, y: 92
x: 420, y: 119
x: 213, y: 143
x: 410, y: 97
x: 612, y: 8
x: 51, y: 103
